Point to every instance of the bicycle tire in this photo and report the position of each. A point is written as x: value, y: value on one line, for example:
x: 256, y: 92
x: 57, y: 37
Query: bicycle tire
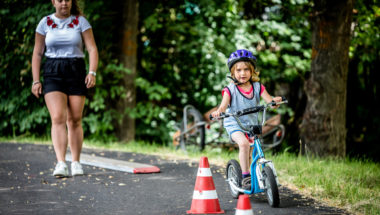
x: 233, y: 172
x: 271, y: 139
x: 271, y: 187
x: 196, y: 137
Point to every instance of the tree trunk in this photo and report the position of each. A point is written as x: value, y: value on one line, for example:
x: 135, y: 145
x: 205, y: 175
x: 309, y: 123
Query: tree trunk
x: 128, y: 57
x: 323, y: 129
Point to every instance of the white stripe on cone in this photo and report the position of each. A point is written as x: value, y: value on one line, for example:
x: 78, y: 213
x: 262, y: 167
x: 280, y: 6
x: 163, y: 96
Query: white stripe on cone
x: 205, y: 194
x: 244, y: 212
x: 204, y: 172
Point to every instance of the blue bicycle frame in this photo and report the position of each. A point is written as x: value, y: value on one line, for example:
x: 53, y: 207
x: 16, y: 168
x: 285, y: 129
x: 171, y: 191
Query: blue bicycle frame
x: 257, y: 153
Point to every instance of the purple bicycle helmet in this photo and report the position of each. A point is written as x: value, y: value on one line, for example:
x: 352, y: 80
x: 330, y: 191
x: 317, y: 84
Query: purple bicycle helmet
x: 241, y: 55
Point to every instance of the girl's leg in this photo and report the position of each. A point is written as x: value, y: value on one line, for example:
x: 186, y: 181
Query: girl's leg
x: 56, y: 103
x: 243, y: 143
x: 74, y: 125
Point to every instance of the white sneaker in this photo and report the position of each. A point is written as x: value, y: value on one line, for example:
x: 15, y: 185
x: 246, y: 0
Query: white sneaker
x: 76, y: 168
x: 61, y: 169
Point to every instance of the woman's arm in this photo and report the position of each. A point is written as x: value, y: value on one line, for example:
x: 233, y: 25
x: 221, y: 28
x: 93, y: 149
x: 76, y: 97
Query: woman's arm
x: 90, y: 44
x: 38, y: 51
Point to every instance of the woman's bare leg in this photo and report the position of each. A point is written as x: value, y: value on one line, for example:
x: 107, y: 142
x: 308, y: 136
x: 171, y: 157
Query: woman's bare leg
x: 74, y: 125
x: 56, y: 103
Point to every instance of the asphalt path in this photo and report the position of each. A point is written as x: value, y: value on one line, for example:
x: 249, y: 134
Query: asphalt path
x: 28, y: 187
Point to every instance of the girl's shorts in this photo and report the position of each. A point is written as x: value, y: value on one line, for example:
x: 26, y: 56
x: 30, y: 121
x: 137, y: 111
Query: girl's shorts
x: 232, y: 129
x: 65, y: 75
x: 235, y: 128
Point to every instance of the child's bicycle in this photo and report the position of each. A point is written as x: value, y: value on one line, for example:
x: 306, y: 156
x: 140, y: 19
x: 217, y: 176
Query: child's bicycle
x: 263, y: 173
x: 192, y: 131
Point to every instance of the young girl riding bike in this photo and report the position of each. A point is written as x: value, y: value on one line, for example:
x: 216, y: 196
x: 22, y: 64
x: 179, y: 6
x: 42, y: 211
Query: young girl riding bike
x: 243, y: 93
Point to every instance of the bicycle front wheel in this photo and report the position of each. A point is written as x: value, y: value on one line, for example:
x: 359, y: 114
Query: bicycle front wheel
x: 271, y: 188
x: 233, y: 174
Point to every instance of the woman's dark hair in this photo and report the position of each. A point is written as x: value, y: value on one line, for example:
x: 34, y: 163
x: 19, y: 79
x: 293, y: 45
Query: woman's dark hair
x: 75, y: 10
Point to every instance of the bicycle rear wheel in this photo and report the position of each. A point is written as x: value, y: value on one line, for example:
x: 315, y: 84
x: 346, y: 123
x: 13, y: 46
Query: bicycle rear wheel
x: 195, y: 130
x: 271, y: 187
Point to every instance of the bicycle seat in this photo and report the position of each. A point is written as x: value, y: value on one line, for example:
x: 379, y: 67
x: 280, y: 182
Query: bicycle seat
x: 255, y: 129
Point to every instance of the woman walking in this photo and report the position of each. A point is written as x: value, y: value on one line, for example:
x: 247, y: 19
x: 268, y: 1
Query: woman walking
x: 60, y: 37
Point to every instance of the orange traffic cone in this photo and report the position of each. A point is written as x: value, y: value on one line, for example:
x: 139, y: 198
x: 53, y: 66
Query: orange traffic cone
x: 205, y: 198
x: 244, y: 206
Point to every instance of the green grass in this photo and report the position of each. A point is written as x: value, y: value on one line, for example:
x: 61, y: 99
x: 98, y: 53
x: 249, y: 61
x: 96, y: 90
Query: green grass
x: 350, y: 184
x: 353, y: 185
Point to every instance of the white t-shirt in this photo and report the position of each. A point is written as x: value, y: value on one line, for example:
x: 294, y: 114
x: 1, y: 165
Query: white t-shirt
x: 63, y: 37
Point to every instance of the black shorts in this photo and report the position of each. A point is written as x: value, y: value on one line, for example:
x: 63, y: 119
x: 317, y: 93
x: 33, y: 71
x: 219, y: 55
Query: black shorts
x: 65, y: 75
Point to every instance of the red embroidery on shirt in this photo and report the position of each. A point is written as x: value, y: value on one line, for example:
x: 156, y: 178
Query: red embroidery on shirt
x: 74, y: 22
x: 51, y: 23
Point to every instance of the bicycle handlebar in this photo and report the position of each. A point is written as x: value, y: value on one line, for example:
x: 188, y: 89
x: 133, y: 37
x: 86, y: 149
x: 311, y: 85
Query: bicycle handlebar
x: 249, y: 110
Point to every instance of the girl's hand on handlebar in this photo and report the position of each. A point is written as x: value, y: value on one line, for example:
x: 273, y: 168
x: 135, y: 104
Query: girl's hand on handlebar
x: 216, y: 113
x: 276, y: 100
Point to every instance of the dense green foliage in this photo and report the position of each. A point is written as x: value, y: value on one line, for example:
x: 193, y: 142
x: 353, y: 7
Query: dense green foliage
x: 182, y: 52
x: 20, y: 113
x: 185, y: 50
x: 363, y: 98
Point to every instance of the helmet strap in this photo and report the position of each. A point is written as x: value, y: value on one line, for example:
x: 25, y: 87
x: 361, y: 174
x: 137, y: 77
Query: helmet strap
x: 235, y: 80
